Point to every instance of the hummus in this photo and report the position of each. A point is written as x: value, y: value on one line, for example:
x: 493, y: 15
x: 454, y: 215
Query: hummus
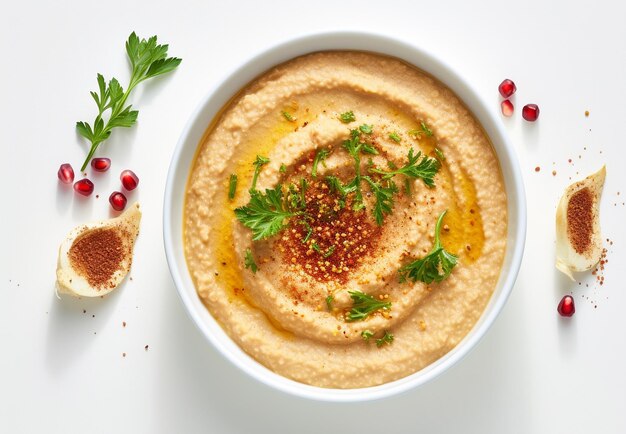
x: 287, y: 299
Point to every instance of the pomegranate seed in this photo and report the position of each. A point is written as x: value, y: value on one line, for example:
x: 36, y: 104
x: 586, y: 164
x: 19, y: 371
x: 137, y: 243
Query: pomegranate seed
x: 129, y: 179
x: 66, y: 173
x: 507, y: 88
x: 566, y: 306
x: 101, y: 164
x: 84, y: 187
x: 507, y: 108
x: 530, y: 112
x: 117, y: 200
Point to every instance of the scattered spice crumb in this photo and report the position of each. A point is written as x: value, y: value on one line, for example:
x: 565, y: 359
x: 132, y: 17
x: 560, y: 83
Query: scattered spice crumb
x: 554, y: 173
x: 97, y: 196
x: 84, y: 311
x: 146, y: 348
x: 586, y: 113
x: 123, y: 323
x: 123, y: 354
x: 537, y: 169
x: 93, y: 316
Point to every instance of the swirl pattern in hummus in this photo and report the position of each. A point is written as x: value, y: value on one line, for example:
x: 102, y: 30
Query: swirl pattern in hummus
x: 279, y: 314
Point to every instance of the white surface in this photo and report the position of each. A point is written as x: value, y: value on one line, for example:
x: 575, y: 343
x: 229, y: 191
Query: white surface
x: 63, y: 371
x: 186, y: 149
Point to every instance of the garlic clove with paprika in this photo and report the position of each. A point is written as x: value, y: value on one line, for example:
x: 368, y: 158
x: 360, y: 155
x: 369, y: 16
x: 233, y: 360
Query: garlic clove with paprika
x: 578, y: 236
x: 94, y: 258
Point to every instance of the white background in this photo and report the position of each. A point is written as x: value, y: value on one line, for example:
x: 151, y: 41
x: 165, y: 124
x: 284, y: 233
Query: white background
x: 62, y: 370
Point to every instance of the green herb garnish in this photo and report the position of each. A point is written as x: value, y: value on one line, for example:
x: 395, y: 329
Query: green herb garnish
x: 265, y: 213
x: 366, y: 335
x: 364, y: 305
x: 407, y: 186
x: 434, y: 267
x: 347, y: 117
x: 439, y: 154
x: 386, y: 339
x: 309, y: 230
x: 353, y: 146
x: 367, y: 129
x: 395, y: 137
x: 423, y: 129
x: 335, y: 185
x: 147, y: 60
x: 384, y: 198
x: 258, y: 163
x: 426, y: 169
x: 319, y: 158
x: 232, y: 186
x: 329, y: 302
x: 283, y: 168
x: 288, y: 116
x: 329, y: 251
x: 249, y: 261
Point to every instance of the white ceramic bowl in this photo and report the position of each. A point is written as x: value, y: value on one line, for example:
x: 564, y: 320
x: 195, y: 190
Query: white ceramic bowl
x: 181, y: 164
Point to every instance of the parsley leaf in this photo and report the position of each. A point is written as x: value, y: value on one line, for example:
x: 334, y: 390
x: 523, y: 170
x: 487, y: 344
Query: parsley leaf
x: 434, y: 267
x: 366, y: 335
x: 249, y: 261
x: 423, y: 129
x: 265, y: 213
x: 367, y: 129
x: 329, y: 251
x: 283, y: 168
x: 426, y: 169
x: 364, y: 305
x: 321, y: 155
x: 335, y: 185
x: 258, y: 163
x: 347, y: 117
x: 288, y: 116
x: 384, y: 198
x: 386, y: 339
x: 439, y: 154
x: 395, y: 137
x: 232, y: 186
x: 329, y: 302
x: 308, y: 228
x: 147, y: 60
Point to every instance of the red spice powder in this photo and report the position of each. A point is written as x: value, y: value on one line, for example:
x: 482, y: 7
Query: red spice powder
x: 580, y: 219
x: 97, y: 255
x: 340, y: 238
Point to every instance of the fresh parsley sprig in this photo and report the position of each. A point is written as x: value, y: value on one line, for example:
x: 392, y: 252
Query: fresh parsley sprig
x: 423, y: 129
x: 265, y: 213
x: 386, y: 339
x: 366, y: 335
x: 259, y: 162
x: 426, y: 169
x: 147, y: 60
x: 364, y: 305
x: 434, y: 267
x: 384, y: 198
x: 249, y: 261
x: 395, y: 137
x: 320, y: 156
x: 232, y: 186
x: 347, y: 117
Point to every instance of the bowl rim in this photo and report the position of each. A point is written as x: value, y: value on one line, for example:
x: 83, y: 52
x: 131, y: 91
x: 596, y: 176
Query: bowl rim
x: 509, y: 163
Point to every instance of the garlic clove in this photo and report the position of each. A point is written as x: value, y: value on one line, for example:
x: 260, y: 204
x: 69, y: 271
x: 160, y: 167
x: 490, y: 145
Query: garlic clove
x: 578, y: 236
x: 94, y: 258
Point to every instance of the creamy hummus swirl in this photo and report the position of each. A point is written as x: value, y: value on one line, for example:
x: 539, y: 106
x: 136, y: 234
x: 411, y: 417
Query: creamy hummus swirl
x: 280, y: 314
